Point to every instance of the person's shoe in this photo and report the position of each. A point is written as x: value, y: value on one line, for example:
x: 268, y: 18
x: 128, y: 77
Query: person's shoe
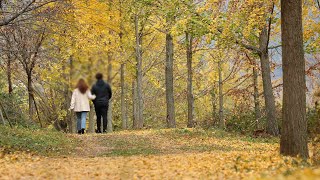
x: 79, y: 132
x: 98, y: 131
x: 82, y: 131
x: 104, y: 131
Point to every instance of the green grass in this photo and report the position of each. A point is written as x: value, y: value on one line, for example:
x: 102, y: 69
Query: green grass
x: 206, y: 148
x: 129, y: 146
x: 39, y: 141
x: 215, y: 133
x: 133, y: 152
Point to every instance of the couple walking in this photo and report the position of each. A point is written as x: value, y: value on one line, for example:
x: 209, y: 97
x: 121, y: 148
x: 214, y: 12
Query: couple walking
x: 100, y: 94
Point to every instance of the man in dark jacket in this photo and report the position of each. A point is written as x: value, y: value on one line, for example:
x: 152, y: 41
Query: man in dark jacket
x: 103, y: 93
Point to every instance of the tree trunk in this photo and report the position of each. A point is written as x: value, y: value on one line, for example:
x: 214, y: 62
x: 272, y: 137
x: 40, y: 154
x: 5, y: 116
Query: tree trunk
x: 139, y: 74
x: 71, y: 122
x: 214, y: 107
x: 9, y: 76
x: 2, y: 118
x: 109, y: 126
x: 123, y: 102
x: 189, y: 81
x: 256, y: 95
x: 134, y: 105
x: 91, y: 119
x: 294, y: 126
x: 272, y: 125
x: 5, y: 115
x: 221, y: 106
x: 171, y: 122
x: 30, y: 96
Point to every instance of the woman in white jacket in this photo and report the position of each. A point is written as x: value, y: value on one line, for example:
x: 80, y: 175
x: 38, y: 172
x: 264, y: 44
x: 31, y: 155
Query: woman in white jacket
x: 80, y: 104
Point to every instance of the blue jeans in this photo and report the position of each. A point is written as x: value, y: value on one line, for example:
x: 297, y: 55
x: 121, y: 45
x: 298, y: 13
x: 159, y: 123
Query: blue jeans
x: 81, y: 120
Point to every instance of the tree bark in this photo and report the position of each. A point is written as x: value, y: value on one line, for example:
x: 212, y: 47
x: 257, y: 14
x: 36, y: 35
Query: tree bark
x: 71, y: 121
x: 272, y: 125
x: 171, y: 122
x: 5, y: 115
x: 134, y: 105
x: 91, y: 119
x: 294, y: 125
x: 2, y: 118
x: 257, y: 110
x: 109, y: 122
x: 122, y: 68
x: 139, y: 74
x: 30, y: 96
x: 221, y: 106
x: 9, y: 75
x: 190, y: 99
x: 214, y: 107
x: 123, y: 102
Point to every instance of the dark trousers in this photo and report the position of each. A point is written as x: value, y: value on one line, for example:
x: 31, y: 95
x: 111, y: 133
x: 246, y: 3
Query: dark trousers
x: 102, y: 112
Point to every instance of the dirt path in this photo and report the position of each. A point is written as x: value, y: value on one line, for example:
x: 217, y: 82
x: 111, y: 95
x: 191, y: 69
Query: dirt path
x: 156, y: 155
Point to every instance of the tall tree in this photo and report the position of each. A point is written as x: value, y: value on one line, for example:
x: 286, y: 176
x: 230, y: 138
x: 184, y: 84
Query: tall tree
x: 122, y: 68
x: 189, y: 50
x: 257, y: 111
x: 171, y: 122
x: 221, y: 102
x: 139, y: 74
x: 294, y: 126
x: 254, y: 35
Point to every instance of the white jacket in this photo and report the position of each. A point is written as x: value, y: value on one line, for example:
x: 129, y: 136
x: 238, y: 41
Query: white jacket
x: 80, y: 102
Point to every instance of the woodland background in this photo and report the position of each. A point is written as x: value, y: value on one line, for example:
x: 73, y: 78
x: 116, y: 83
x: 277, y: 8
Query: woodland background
x: 175, y: 63
x: 203, y: 89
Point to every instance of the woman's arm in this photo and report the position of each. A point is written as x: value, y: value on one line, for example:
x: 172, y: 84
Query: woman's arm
x: 90, y: 95
x: 73, y: 100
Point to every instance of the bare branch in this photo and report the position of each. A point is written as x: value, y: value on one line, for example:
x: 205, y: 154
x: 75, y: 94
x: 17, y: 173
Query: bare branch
x: 249, y: 47
x: 8, y: 21
x: 274, y: 47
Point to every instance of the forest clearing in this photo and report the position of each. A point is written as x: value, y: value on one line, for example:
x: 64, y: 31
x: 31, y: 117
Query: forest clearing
x: 162, y: 154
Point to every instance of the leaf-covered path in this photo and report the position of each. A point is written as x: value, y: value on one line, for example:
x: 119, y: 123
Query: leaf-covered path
x: 160, y: 154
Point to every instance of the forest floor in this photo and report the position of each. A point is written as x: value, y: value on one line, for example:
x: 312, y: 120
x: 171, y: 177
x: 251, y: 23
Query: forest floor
x: 161, y: 154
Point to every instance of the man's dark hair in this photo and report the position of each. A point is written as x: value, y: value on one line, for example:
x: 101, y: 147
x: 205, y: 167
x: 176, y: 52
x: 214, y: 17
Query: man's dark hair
x: 99, y: 76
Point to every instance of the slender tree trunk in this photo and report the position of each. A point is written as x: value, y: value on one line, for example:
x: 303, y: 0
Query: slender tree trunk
x: 91, y: 127
x: 190, y: 99
x: 294, y: 126
x: 214, y: 106
x: 37, y: 111
x: 272, y: 124
x: 109, y: 126
x: 221, y: 105
x: 71, y: 122
x: 5, y: 114
x: 123, y: 102
x: 9, y: 76
x: 139, y: 74
x: 2, y: 118
x: 30, y: 94
x: 134, y: 105
x: 256, y: 95
x: 171, y: 122
x: 91, y: 119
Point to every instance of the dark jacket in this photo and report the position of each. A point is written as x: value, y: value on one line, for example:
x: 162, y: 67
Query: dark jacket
x: 103, y: 93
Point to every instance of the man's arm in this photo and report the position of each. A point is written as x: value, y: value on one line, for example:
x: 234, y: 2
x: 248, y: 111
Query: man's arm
x: 93, y: 91
x: 110, y: 91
